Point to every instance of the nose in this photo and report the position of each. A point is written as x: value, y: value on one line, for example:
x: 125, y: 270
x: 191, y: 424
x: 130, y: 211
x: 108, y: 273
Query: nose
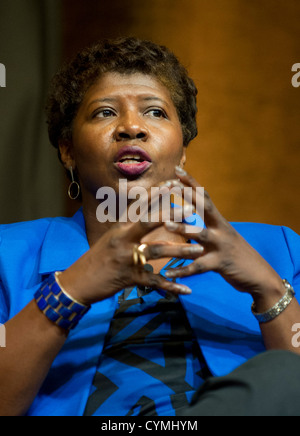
x: 131, y: 127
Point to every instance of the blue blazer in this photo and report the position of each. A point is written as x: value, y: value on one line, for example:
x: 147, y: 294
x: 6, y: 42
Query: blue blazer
x: 220, y: 316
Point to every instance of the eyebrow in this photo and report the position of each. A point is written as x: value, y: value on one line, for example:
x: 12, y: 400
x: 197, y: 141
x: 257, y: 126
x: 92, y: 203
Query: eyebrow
x: 153, y: 98
x: 114, y: 99
x: 103, y: 100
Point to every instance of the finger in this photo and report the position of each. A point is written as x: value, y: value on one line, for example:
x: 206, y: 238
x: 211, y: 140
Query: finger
x: 184, y: 251
x: 205, y: 237
x: 199, y: 266
x: 200, y: 198
x: 140, y: 225
x: 155, y: 281
x: 143, y: 227
x: 160, y: 198
x: 147, y: 199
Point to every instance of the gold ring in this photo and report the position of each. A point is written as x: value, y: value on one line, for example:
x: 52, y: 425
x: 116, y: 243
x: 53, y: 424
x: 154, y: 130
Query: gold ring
x: 138, y: 254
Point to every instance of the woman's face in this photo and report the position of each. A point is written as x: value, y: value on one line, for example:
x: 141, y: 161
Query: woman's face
x: 127, y: 127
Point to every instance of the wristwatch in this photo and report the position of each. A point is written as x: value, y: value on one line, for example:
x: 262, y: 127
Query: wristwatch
x: 276, y: 310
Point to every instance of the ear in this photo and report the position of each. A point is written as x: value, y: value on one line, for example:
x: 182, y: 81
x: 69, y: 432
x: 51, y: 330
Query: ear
x: 66, y: 153
x: 183, y: 158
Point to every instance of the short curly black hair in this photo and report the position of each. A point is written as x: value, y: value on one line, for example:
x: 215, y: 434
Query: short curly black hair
x: 126, y: 56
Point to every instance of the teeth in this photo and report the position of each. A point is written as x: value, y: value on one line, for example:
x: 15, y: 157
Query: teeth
x: 131, y: 156
x: 129, y: 161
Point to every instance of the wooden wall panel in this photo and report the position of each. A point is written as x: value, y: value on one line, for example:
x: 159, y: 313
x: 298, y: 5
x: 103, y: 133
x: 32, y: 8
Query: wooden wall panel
x: 240, y: 54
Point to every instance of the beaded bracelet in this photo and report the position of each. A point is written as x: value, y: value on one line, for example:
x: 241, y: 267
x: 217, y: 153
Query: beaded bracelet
x: 58, y: 306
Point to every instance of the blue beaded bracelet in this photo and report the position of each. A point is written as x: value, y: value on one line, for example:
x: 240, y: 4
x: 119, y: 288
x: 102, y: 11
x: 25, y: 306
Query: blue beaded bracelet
x: 58, y: 306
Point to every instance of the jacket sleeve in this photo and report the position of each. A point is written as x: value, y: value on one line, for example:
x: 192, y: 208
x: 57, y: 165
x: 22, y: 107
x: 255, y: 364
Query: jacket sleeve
x: 293, y: 244
x: 3, y: 296
x: 3, y: 305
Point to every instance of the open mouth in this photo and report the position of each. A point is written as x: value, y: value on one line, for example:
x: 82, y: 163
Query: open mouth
x: 132, y: 161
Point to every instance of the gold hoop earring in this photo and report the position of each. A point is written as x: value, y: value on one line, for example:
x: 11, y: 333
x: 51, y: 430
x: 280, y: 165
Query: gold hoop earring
x: 74, y: 188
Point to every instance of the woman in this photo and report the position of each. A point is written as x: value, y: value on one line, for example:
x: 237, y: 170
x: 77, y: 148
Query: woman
x: 96, y: 330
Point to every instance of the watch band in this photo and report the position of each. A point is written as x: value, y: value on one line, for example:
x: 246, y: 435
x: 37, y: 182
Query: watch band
x: 276, y: 310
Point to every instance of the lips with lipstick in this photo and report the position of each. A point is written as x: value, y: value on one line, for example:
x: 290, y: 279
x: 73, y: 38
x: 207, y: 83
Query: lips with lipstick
x: 132, y: 161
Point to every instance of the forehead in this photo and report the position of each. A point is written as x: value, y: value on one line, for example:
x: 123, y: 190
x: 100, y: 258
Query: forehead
x: 137, y: 85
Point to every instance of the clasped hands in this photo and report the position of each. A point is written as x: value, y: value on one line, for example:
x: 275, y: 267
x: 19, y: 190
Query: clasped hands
x: 220, y: 248
x: 111, y: 263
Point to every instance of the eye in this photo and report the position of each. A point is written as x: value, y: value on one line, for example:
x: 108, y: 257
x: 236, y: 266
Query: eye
x: 104, y: 113
x: 156, y: 113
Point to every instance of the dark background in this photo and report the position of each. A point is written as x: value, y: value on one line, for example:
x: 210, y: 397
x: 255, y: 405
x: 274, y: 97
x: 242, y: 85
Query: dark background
x: 240, y: 54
